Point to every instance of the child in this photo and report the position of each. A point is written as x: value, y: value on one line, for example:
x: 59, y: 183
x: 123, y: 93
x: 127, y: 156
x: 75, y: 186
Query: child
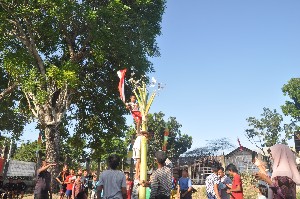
x: 77, y: 187
x: 137, y: 152
x: 129, y: 185
x: 69, y: 182
x: 136, y: 114
x: 94, y: 187
x: 262, y: 192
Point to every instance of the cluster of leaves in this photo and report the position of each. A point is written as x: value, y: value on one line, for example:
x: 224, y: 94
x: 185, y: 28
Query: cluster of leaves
x: 269, y: 129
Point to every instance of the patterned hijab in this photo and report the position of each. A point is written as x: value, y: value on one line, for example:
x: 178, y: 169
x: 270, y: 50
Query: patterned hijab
x: 284, y: 162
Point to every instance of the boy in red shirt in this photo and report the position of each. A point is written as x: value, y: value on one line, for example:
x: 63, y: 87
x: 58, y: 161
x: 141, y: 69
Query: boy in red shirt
x: 70, y: 182
x: 236, y: 189
x: 129, y: 185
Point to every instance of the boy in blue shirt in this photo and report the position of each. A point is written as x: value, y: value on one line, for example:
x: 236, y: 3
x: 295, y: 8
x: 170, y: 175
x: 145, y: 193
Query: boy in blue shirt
x: 185, y: 186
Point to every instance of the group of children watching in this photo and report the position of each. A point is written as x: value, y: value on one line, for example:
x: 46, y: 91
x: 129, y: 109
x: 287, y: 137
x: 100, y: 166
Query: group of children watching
x: 80, y: 185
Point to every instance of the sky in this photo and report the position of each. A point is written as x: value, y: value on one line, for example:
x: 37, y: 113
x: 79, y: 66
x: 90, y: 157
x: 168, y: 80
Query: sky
x: 223, y: 61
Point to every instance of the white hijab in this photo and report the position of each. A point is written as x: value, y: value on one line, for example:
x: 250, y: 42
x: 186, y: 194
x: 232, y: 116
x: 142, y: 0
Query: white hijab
x: 284, y: 163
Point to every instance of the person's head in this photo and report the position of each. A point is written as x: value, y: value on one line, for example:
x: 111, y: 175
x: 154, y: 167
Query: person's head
x: 10, y: 180
x: 221, y: 172
x: 72, y: 172
x: 19, y: 180
x: 65, y: 168
x: 132, y: 98
x: 94, y: 178
x: 231, y: 168
x: 215, y: 170
x: 126, y: 175
x: 85, y: 173
x: 185, y: 173
x: 160, y: 157
x: 79, y: 171
x: 113, y: 161
x: 44, y: 163
x: 78, y: 177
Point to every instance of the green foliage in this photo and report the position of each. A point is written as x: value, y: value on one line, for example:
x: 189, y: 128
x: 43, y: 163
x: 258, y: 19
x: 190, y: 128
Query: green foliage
x: 178, y: 143
x: 12, y: 120
x: 74, y: 48
x: 26, y: 152
x: 292, y: 90
x: 267, y: 131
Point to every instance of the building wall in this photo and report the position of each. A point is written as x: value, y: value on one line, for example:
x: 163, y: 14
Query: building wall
x: 242, y: 160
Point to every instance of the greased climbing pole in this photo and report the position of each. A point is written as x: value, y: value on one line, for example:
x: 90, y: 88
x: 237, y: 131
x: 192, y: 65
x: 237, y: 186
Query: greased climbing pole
x: 145, y: 102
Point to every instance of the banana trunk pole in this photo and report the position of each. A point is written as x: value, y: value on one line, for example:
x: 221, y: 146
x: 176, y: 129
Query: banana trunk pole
x: 143, y: 166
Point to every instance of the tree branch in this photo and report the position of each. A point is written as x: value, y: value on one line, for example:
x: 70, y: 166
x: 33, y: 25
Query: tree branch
x: 35, y: 113
x: 8, y: 90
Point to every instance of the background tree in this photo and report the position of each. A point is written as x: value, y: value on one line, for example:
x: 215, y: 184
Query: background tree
x: 27, y: 151
x: 212, y: 148
x: 178, y: 143
x: 267, y: 130
x: 11, y: 119
x: 292, y: 107
x: 62, y: 57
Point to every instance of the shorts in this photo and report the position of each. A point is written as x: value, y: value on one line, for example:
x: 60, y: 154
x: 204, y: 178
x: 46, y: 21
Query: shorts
x: 69, y: 193
x: 136, y: 154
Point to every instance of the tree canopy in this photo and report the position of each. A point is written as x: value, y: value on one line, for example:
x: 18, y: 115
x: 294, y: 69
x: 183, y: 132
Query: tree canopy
x: 267, y: 131
x: 62, y: 58
x: 292, y: 106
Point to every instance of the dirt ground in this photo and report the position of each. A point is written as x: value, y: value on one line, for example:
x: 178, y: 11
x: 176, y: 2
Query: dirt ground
x: 30, y: 196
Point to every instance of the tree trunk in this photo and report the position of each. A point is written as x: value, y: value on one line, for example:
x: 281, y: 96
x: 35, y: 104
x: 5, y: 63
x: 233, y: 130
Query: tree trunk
x: 52, y: 153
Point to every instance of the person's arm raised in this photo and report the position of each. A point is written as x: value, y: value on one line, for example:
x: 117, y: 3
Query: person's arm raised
x: 44, y: 168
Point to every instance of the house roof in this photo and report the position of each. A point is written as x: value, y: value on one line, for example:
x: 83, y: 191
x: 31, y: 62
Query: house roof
x: 238, y: 149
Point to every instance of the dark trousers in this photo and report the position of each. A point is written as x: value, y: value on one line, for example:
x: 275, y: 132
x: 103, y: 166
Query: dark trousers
x: 162, y: 197
x: 41, y: 195
x: 187, y: 196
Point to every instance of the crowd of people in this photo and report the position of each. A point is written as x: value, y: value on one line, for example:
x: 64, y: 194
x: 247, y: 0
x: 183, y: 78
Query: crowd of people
x: 280, y: 184
x: 14, y: 188
x: 112, y: 183
x: 161, y: 184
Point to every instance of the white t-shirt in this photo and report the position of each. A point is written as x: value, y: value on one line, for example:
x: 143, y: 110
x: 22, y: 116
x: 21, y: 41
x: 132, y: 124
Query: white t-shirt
x: 137, y: 143
x: 112, y: 181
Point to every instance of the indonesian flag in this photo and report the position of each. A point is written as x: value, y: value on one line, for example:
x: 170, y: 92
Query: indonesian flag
x: 241, y: 147
x: 121, y: 75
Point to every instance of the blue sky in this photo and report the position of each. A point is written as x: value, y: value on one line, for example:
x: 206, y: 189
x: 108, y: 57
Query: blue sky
x: 223, y: 61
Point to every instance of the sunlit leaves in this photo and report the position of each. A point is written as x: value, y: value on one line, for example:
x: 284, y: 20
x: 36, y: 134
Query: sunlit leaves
x: 267, y: 130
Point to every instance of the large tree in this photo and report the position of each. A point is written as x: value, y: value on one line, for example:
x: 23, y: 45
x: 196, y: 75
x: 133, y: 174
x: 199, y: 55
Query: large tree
x: 268, y: 130
x: 62, y: 56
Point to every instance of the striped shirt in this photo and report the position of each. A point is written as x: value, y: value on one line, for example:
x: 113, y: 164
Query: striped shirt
x: 161, y: 182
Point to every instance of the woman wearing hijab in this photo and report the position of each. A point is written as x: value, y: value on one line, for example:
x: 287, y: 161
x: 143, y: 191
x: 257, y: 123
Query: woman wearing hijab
x: 285, y: 175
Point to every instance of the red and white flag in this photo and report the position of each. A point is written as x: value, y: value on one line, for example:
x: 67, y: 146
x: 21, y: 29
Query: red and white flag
x: 121, y: 75
x: 241, y: 147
